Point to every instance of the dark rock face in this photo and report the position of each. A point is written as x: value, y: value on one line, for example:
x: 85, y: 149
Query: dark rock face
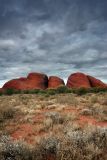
x: 55, y: 82
x: 78, y: 80
x: 96, y: 82
x: 33, y: 81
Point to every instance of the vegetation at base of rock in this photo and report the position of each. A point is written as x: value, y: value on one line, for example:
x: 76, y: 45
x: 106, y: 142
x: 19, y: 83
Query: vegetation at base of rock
x: 60, y: 90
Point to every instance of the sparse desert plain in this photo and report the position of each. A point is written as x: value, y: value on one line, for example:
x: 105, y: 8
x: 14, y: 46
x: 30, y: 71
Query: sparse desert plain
x: 53, y: 79
x: 63, y: 126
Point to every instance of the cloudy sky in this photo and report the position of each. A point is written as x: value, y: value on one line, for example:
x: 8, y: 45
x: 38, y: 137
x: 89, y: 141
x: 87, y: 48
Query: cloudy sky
x: 57, y: 37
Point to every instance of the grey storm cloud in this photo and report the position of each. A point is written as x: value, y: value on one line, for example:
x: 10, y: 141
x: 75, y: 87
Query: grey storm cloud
x: 57, y: 37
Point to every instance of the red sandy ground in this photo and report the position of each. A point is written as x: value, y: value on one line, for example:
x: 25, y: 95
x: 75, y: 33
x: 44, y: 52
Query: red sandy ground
x: 29, y: 131
x: 86, y: 119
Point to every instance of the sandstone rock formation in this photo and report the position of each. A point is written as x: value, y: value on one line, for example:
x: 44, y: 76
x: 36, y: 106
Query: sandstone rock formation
x: 41, y: 81
x: 78, y: 80
x: 55, y: 82
x: 15, y: 84
x: 38, y: 80
x: 96, y: 82
x: 33, y: 81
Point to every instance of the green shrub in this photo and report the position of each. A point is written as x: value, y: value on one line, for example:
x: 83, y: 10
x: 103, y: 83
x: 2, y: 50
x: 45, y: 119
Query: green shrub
x: 1, y: 93
x: 63, y: 89
x: 17, y: 91
x: 51, y: 91
x: 42, y: 92
x: 9, y: 91
x: 36, y: 91
x: 96, y: 90
x: 26, y: 92
x: 81, y: 91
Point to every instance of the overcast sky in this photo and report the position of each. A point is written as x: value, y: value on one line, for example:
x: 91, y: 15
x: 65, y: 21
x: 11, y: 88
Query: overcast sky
x: 57, y: 37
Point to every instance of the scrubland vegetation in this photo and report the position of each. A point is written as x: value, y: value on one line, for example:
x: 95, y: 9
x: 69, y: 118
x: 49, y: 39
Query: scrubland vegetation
x: 60, y: 124
x: 60, y: 90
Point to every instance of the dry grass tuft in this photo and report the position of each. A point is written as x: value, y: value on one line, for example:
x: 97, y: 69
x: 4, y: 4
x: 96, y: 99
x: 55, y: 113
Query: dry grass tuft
x: 68, y: 99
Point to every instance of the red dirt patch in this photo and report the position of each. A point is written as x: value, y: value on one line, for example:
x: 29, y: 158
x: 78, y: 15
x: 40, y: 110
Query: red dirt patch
x: 69, y: 109
x: 24, y: 131
x: 28, y: 131
x: 32, y: 131
x: 91, y: 120
x: 50, y: 157
x: 85, y: 119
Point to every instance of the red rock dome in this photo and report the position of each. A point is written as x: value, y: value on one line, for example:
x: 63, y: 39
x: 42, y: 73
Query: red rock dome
x: 78, y: 80
x: 96, y: 82
x: 13, y: 84
x: 55, y: 82
x: 33, y: 81
x: 38, y: 80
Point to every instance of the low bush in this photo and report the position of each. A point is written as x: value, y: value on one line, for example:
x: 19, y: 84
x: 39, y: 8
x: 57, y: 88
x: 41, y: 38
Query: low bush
x: 11, y: 91
x: 10, y: 150
x: 42, y: 92
x: 6, y: 113
x: 1, y: 93
x: 81, y: 91
x: 56, y: 117
x: 50, y: 92
x: 63, y: 89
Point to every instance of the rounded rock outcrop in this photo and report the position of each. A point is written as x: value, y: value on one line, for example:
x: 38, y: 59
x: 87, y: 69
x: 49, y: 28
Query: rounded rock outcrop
x: 55, y: 82
x: 14, y: 84
x: 38, y: 80
x: 96, y: 82
x: 33, y: 81
x: 78, y: 80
